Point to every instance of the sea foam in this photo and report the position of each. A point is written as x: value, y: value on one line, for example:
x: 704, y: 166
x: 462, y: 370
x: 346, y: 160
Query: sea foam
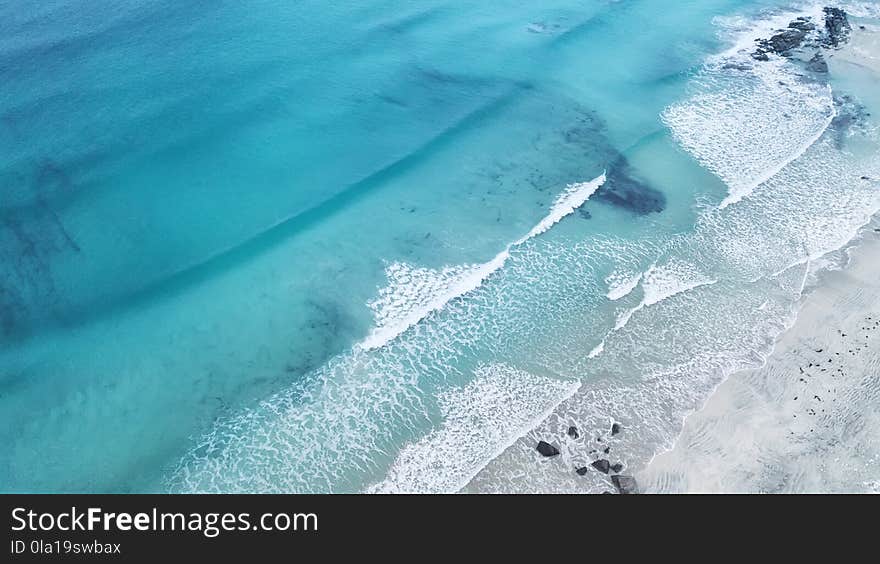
x: 413, y: 292
x: 480, y: 420
x: 745, y: 120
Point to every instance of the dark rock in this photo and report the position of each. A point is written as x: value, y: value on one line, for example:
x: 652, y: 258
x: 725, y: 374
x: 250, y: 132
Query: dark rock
x: 615, y: 428
x: 837, y: 27
x: 862, y: 27
x: 783, y: 42
x: 602, y: 466
x: 817, y: 64
x: 606, y: 450
x: 802, y: 23
x: 616, y: 468
x: 737, y: 66
x: 625, y: 484
x: 547, y: 449
x: 582, y: 471
x: 573, y: 432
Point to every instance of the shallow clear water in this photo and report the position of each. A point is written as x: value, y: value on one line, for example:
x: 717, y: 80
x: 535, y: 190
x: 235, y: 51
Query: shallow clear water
x: 303, y: 247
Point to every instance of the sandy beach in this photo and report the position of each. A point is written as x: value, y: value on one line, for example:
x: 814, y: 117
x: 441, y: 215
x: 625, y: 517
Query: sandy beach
x: 807, y: 420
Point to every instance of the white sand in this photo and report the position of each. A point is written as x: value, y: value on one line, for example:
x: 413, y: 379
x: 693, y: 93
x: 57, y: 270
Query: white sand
x: 807, y: 421
x: 790, y: 426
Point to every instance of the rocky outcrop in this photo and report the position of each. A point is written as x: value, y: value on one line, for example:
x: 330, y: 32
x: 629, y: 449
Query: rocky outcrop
x: 837, y: 27
x: 573, y: 432
x: 802, y: 33
x: 784, y: 42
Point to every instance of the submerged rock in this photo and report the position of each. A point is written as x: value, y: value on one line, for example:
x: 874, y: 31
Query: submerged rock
x: 817, y: 64
x: 582, y: 471
x: 573, y: 432
x: 547, y: 449
x: 625, y: 484
x: 602, y: 466
x: 617, y: 467
x: 623, y: 190
x: 851, y: 114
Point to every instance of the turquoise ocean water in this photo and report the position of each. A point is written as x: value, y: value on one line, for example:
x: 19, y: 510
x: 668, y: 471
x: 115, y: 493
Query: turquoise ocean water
x: 356, y: 246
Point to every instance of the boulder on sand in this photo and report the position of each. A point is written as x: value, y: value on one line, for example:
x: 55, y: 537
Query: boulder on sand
x: 546, y: 449
x: 602, y: 466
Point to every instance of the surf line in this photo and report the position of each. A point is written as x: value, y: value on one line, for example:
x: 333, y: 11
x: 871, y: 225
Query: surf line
x: 735, y: 196
x: 573, y: 197
x: 651, y: 295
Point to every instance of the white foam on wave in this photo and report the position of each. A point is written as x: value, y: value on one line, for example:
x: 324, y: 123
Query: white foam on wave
x: 566, y: 203
x: 658, y: 283
x: 661, y: 282
x: 746, y: 119
x: 674, y: 277
x: 480, y: 421
x: 621, y: 285
x: 413, y: 293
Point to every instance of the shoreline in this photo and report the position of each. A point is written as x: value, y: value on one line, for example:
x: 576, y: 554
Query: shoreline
x: 803, y: 422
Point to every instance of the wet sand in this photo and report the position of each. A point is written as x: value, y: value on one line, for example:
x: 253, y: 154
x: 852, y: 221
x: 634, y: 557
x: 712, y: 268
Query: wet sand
x: 807, y: 421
